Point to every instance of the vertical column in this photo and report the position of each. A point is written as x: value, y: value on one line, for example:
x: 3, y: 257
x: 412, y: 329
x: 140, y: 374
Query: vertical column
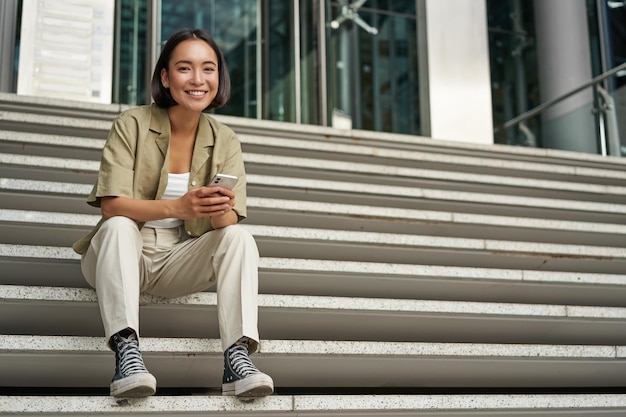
x: 459, y: 81
x: 153, y: 42
x: 564, y: 62
x: 8, y: 25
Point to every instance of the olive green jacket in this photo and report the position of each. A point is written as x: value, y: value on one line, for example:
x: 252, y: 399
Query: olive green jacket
x: 135, y: 162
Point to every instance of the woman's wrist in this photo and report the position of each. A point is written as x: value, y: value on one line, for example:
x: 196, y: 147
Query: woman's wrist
x: 223, y: 220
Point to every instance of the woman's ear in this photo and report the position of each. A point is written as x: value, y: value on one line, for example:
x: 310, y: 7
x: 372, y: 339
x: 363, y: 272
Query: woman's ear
x: 164, y: 79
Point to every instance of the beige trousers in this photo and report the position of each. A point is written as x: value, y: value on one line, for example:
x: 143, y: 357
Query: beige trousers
x: 123, y: 261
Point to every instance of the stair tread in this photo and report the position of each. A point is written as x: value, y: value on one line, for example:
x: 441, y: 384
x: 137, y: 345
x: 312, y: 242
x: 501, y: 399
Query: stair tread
x: 582, y: 405
x: 433, y: 155
x: 254, y: 180
x: 34, y: 294
x: 365, y: 279
x: 607, y: 253
x: 371, y: 212
x: 381, y: 269
x: 246, y: 126
x: 62, y: 310
x: 187, y: 362
x: 346, y: 167
x: 349, y: 151
x: 24, y: 344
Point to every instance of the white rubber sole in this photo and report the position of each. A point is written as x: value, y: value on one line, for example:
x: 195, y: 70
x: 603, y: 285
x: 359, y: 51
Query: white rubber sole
x: 256, y: 385
x: 136, y: 385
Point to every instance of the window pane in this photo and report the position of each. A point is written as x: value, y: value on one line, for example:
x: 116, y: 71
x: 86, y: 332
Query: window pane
x: 513, y: 60
x: 373, y: 78
x: 279, y: 85
x: 130, y: 76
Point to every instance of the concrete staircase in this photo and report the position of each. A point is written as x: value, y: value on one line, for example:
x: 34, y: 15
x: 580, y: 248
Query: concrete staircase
x: 399, y: 276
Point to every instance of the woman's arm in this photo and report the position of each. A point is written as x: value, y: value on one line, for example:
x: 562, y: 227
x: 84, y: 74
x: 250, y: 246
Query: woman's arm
x: 228, y: 218
x: 213, y: 202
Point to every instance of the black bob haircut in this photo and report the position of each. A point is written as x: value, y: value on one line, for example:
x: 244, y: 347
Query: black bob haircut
x: 162, y: 96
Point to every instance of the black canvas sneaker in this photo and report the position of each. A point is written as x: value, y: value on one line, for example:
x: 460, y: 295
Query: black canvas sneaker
x: 131, y: 378
x: 241, y: 377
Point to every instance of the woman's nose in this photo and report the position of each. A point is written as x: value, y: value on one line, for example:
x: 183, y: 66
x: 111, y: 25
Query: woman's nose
x: 197, y: 76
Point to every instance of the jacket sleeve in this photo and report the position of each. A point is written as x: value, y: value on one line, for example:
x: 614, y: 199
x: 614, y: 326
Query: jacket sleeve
x: 233, y: 165
x: 116, y: 174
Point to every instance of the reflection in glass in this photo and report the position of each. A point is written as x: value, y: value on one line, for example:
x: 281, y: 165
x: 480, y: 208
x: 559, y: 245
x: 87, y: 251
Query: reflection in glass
x: 615, y: 12
x: 513, y: 61
x: 278, y: 62
x: 130, y: 48
x: 372, y: 78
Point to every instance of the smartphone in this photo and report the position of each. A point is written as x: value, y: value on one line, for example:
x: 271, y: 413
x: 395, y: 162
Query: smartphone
x: 224, y: 180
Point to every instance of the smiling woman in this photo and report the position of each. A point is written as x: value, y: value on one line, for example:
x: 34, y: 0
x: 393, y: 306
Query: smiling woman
x: 165, y: 230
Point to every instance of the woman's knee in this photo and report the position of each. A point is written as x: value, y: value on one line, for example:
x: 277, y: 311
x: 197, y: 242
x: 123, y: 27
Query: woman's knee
x: 118, y: 228
x: 119, y: 223
x: 238, y: 232
x: 112, y: 239
x: 239, y: 236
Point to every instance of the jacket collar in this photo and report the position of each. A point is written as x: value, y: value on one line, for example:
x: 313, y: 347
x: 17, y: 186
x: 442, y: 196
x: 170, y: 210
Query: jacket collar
x: 205, y: 139
x: 160, y: 124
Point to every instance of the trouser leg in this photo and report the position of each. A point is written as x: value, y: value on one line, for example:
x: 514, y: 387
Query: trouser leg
x: 236, y: 265
x: 113, y: 265
x: 227, y: 258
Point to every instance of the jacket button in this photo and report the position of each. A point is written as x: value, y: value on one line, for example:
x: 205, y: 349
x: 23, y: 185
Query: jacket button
x: 193, y: 183
x: 189, y: 232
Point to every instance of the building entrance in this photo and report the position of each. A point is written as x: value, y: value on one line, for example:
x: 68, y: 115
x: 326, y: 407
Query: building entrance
x: 358, y: 69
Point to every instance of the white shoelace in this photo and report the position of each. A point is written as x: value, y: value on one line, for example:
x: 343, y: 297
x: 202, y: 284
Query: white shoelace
x: 130, y: 357
x: 240, y: 362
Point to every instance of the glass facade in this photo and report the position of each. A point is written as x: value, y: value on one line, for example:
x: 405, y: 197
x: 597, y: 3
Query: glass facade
x: 358, y: 64
x: 612, y: 36
x: 373, y: 77
x: 275, y: 51
x: 521, y: 75
x: 130, y: 78
x: 513, y: 62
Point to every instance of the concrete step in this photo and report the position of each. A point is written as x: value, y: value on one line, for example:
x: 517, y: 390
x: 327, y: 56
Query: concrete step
x: 53, y: 310
x: 306, y: 212
x: 54, y: 106
x: 431, y: 158
x: 461, y: 405
x: 20, y: 191
x: 390, y: 174
x: 303, y: 213
x: 409, y: 176
x: 536, y: 405
x: 35, y: 361
x: 88, y: 127
x: 353, y: 143
x: 367, y: 246
x: 319, y: 152
x: 23, y: 265
x: 372, y: 174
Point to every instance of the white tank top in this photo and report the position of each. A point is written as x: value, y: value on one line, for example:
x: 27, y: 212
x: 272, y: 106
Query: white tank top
x: 176, y: 187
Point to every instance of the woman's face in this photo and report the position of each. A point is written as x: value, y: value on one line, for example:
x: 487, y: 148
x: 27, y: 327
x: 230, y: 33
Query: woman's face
x: 192, y: 75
